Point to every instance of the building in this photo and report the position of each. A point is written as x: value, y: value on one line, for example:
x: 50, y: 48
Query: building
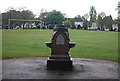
x: 115, y: 27
x: 78, y: 23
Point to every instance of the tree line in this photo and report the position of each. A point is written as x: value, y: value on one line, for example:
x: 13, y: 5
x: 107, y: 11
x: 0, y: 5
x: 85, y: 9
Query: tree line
x: 16, y: 14
x: 52, y: 18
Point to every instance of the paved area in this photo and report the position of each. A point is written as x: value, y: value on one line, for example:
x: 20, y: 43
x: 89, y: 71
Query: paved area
x: 35, y: 68
x: 0, y: 70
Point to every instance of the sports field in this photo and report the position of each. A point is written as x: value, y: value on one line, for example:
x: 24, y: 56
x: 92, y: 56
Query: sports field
x: 31, y: 43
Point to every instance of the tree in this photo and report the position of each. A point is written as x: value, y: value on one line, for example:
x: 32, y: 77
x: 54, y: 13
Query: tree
x: 89, y: 23
x: 118, y: 24
x: 100, y: 20
x: 102, y: 14
x: 85, y: 24
x: 118, y: 8
x: 42, y: 16
x: 55, y: 17
x: 26, y: 14
x: 78, y: 16
x: 67, y: 23
x: 0, y: 20
x: 72, y: 23
x: 115, y: 21
x: 108, y: 21
x: 65, y: 15
x: 86, y: 16
x: 85, y: 21
x: 92, y: 14
x: 12, y: 13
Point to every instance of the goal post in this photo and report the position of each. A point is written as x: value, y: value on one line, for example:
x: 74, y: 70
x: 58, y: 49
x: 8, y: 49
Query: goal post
x: 21, y: 20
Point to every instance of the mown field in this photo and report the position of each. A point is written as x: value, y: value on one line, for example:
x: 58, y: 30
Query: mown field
x: 31, y: 43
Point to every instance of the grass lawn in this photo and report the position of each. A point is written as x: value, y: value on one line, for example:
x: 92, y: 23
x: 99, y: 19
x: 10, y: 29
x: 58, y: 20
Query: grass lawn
x: 89, y: 44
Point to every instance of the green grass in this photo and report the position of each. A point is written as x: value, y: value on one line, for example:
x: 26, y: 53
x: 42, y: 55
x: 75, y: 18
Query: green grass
x: 89, y: 44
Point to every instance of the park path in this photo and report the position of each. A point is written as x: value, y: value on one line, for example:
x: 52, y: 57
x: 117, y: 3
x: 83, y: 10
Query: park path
x: 35, y: 68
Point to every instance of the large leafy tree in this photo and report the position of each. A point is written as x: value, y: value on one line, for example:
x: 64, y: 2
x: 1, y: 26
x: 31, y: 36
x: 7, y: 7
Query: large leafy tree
x: 100, y: 20
x: 70, y: 23
x: 67, y: 23
x: 104, y: 21
x: 16, y: 14
x: 54, y: 18
x: 108, y: 21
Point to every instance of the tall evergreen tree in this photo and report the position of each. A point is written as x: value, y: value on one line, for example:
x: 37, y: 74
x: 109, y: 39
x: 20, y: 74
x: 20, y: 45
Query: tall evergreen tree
x: 92, y: 14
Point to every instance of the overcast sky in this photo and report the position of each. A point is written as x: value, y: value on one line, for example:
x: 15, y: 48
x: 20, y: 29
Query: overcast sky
x: 70, y: 7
